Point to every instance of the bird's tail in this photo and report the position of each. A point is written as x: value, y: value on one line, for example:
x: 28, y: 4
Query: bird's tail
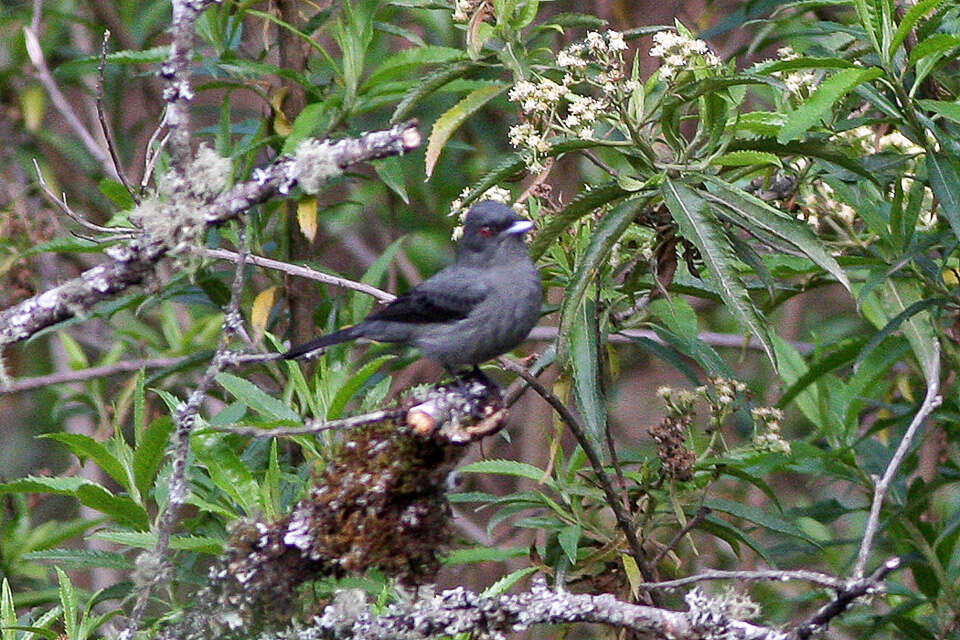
x: 323, y: 341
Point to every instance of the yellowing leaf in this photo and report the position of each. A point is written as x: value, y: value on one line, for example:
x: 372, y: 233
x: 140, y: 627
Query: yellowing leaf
x: 262, y: 304
x: 280, y: 123
x: 450, y: 121
x: 307, y: 216
x: 33, y: 102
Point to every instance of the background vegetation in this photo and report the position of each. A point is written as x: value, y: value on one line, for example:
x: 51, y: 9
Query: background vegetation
x: 747, y: 222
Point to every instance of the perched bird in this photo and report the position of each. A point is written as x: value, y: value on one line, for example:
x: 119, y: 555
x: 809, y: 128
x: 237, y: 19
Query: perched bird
x: 481, y: 306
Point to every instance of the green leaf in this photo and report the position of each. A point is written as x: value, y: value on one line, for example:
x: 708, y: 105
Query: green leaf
x: 456, y: 115
x: 473, y: 555
x: 226, y: 469
x: 606, y: 234
x: 900, y: 300
x: 8, y: 612
x: 677, y: 314
x: 924, y: 331
x: 121, y: 509
x: 938, y: 44
x: 413, y: 57
x: 746, y: 159
x: 146, y: 540
x: 752, y: 213
x: 390, y: 171
x: 668, y: 355
x: 149, y: 451
x: 361, y: 304
x: 585, y: 361
x: 506, y: 583
x: 86, y: 447
x: 822, y: 100
x: 949, y: 110
x: 82, y: 559
x: 945, y: 182
x: 429, y: 84
x: 352, y: 384
x: 68, y: 601
x: 758, y: 516
x: 843, y: 355
x: 315, y: 118
x: 813, y: 149
x: 910, y: 18
x: 569, y: 539
x: 507, y: 468
x: 117, y: 193
x: 257, y: 399
x: 792, y: 368
x: 699, y: 226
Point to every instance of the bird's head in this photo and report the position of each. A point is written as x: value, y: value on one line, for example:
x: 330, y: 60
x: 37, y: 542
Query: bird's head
x: 490, y: 225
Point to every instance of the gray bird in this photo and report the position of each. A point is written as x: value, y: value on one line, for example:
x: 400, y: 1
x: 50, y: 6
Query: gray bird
x: 481, y: 306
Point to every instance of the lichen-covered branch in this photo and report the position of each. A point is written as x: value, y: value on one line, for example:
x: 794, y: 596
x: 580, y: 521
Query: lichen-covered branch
x: 132, y: 262
x: 458, y: 611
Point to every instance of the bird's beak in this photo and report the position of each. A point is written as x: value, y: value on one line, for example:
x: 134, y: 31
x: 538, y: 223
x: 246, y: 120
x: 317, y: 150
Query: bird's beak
x: 520, y: 226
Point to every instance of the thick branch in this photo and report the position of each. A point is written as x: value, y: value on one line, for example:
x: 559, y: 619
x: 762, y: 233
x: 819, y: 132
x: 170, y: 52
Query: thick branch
x: 459, y: 611
x: 131, y: 263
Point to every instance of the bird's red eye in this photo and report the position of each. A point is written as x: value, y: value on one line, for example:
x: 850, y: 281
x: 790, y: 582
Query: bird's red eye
x: 486, y: 231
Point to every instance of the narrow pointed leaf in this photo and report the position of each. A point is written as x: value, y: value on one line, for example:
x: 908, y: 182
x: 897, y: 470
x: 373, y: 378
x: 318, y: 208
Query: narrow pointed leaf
x: 820, y: 103
x: 698, y: 225
x: 945, y: 183
x: 751, y: 212
x: 450, y: 121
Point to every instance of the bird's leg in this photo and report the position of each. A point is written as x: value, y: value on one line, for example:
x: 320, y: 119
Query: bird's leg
x: 479, y: 375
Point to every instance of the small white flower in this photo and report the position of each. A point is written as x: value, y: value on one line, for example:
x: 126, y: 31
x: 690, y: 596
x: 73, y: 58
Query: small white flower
x: 615, y: 41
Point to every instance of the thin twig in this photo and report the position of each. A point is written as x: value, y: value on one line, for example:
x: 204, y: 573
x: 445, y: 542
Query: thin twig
x: 61, y: 203
x: 846, y: 595
x: 931, y: 401
x: 579, y: 432
x: 60, y: 101
x: 111, y: 147
x: 698, y: 517
x: 772, y: 575
x: 61, y: 377
x: 315, y: 426
x: 303, y: 272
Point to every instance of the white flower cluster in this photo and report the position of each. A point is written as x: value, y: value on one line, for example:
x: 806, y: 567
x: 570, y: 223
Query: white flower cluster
x: 680, y: 52
x: 800, y: 83
x: 605, y: 52
x: 538, y: 98
x: 463, y: 9
x: 770, y: 438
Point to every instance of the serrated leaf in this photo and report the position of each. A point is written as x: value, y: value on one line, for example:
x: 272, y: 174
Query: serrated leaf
x: 911, y: 17
x: 146, y: 540
x: 945, y: 182
x: 451, y: 120
x: 257, y: 399
x: 121, y: 509
x: 606, y: 234
x: 506, y: 468
x: 226, y: 469
x: 262, y: 305
x: 758, y: 516
x: 746, y: 159
x: 430, y: 83
x: 949, y: 110
x: 68, y: 601
x: 86, y: 447
x: 699, y: 226
x: 938, y: 44
x: 751, y: 212
x: 585, y: 361
x: 82, y: 559
x: 147, y: 455
x: 8, y: 612
x: 474, y: 555
x: 807, y: 115
x: 413, y: 57
x: 506, y: 583
x: 814, y: 149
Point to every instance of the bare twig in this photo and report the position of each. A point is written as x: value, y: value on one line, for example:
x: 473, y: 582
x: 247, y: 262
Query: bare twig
x: 702, y: 513
x: 579, y: 432
x: 315, y: 426
x: 60, y: 101
x: 300, y: 271
x: 846, y: 595
x: 931, y: 401
x: 61, y: 203
x: 61, y: 377
x: 772, y: 575
x: 104, y: 128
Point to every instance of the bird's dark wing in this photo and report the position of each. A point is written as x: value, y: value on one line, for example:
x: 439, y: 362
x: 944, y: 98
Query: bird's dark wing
x: 448, y: 296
